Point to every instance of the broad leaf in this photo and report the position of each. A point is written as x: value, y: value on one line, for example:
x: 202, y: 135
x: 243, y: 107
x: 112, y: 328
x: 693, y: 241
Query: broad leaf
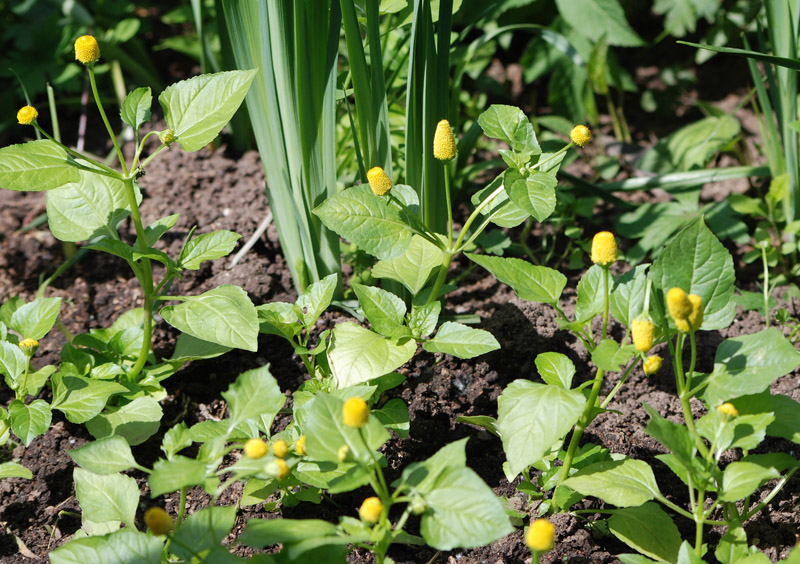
x: 13, y: 363
x: 135, y: 110
x: 461, y: 341
x: 35, y: 319
x: 81, y: 398
x: 105, y: 456
x: 627, y: 297
x: 172, y: 475
x: 255, y: 394
x: 224, y: 315
x: 14, y: 470
x: 532, y: 418
x: 203, y: 530
x: 590, y: 300
x: 113, y: 497
x: 537, y: 284
x: 785, y: 409
x: 208, y: 246
x: 197, y: 109
x: 511, y: 125
x: 357, y: 354
x: 394, y: 415
x: 259, y: 533
x: 740, y: 479
x: 422, y: 320
x: 127, y: 546
x: 535, y: 194
x: 316, y: 299
x: 384, y: 310
x: 624, y: 483
x: 35, y: 166
x: 414, y: 267
x: 136, y: 421
x: 649, y: 530
x: 29, y: 421
x: 609, y: 356
x: 597, y: 19
x: 556, y: 369
x: 500, y: 208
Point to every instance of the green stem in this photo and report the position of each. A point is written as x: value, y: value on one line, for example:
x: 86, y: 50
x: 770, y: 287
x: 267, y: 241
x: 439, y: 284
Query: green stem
x: 107, y: 169
x: 770, y: 495
x: 440, y: 277
x: 449, y: 204
x: 105, y: 120
x: 618, y: 385
x: 181, y: 507
x: 140, y: 148
x: 605, y: 302
x: 766, y: 285
x: 699, y: 521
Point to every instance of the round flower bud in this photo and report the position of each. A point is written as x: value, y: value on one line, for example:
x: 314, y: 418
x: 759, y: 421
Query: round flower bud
x: 158, y: 521
x: 541, y: 535
x: 29, y: 346
x: 379, y: 181
x: 728, y: 409
x: 652, y: 364
x: 280, y: 448
x: 580, y: 135
x: 604, y: 248
x: 679, y: 306
x: 371, y: 509
x: 418, y: 505
x: 342, y: 453
x: 642, y: 330
x: 277, y: 468
x: 300, y: 446
x: 87, y: 50
x: 696, y: 316
x: 355, y: 412
x: 26, y: 115
x: 444, y: 144
x: 255, y: 448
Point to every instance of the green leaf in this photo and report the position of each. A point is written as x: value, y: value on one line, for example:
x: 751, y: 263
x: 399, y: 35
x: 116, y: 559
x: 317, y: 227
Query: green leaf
x: 90, y: 206
x: 785, y: 409
x: 135, y: 110
x: 29, y: 421
x: 203, y: 530
x: 624, y: 483
x: 176, y: 439
x: 35, y: 319
x: 35, y: 166
x: 598, y: 18
x: 280, y: 318
x: 208, y: 246
x: 384, y: 310
x: 255, y: 394
x: 740, y: 479
x: 699, y: 264
x: 535, y: 194
x: 13, y: 363
x: 371, y: 222
x: 106, y: 456
x: 500, y: 208
x: 325, y: 431
x: 155, y: 230
x: 649, y: 530
x: 136, y: 421
x: 197, y: 109
x: 422, y: 320
x: 732, y: 546
x: 511, y: 125
x: 191, y: 348
x: 556, y: 369
x: 81, y: 398
x: 672, y: 435
x: 627, y: 297
x: 224, y: 315
x: 687, y: 555
x: 414, y: 267
x: 537, y: 284
x: 113, y: 497
x: 126, y: 546
x: 590, y: 298
x: 748, y: 365
x: 259, y: 533
x: 14, y: 470
x: 532, y: 418
x: 357, y: 354
x: 316, y: 299
x: 609, y: 356
x: 394, y: 415
x: 461, y: 341
x: 171, y: 475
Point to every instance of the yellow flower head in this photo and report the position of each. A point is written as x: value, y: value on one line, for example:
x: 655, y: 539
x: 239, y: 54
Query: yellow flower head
x: 355, y: 412
x: 379, y: 181
x: 342, y: 453
x: 277, y: 468
x: 29, y: 346
x: 541, y: 535
x: 158, y: 521
x: 444, y: 144
x: 604, y: 248
x: 300, y: 446
x: 696, y: 316
x: 728, y: 409
x: 280, y: 448
x: 26, y: 115
x: 652, y: 364
x: 167, y: 137
x: 255, y: 448
x: 371, y: 509
x: 580, y: 135
x: 643, y: 330
x: 679, y: 306
x: 87, y: 50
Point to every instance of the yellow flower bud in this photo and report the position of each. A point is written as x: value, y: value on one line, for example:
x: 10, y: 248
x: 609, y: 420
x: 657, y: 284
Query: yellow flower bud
x: 541, y: 535
x: 300, y: 446
x: 379, y: 181
x: 580, y: 135
x: 679, y: 307
x: 642, y: 330
x: 158, y: 521
x: 29, y: 346
x: 280, y: 448
x: 167, y: 137
x: 355, y: 412
x: 444, y: 144
x: 255, y: 448
x: 696, y: 316
x: 652, y: 364
x: 604, y: 248
x: 277, y: 468
x: 342, y: 453
x: 87, y: 50
x: 26, y: 115
x: 728, y: 409
x: 371, y: 509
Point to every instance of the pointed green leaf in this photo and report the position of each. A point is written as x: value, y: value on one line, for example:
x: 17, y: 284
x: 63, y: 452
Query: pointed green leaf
x: 414, y: 267
x: 590, y: 298
x: 14, y: 470
x: 624, y: 483
x: 556, y: 369
x: 81, y: 398
x: 537, y: 284
x: 136, y: 421
x: 113, y: 497
x: 35, y: 319
x: 105, y: 456
x: 135, y: 110
x: 29, y: 421
x: 203, y: 530
x: 35, y: 166
x: 125, y: 546
x: 599, y: 18
x: 13, y: 363
x: 609, y: 356
x: 357, y: 354
x: 384, y: 310
x: 627, y: 297
x: 649, y: 530
x: 511, y: 125
x: 422, y: 320
x: 461, y: 341
x: 535, y: 194
x: 255, y: 394
x: 171, y: 475
x: 208, y: 246
x: 316, y: 299
x: 502, y: 210
x: 740, y: 479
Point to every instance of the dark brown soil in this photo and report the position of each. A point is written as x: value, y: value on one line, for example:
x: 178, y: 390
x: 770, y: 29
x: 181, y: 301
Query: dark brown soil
x: 216, y: 192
